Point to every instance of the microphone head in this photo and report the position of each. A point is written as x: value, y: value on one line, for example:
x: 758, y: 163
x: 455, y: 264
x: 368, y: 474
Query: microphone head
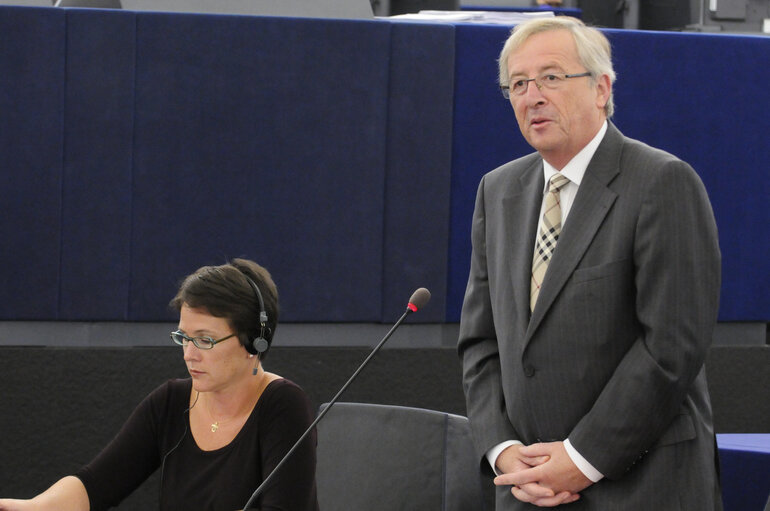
x: 419, y: 299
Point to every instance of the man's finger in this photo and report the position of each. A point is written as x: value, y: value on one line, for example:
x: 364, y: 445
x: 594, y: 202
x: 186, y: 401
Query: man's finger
x: 534, y: 461
x: 537, y: 491
x: 519, y: 478
x: 535, y: 450
x: 550, y: 501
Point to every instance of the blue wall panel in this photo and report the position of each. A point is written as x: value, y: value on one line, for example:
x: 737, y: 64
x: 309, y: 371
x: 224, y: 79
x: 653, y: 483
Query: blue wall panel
x: 32, y: 54
x: 98, y: 137
x: 419, y: 165
x: 485, y: 136
x: 263, y: 138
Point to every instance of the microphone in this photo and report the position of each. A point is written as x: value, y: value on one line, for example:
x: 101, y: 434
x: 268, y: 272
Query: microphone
x: 417, y: 301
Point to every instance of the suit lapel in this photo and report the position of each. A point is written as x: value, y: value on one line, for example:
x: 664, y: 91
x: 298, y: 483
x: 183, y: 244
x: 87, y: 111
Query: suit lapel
x: 591, y: 205
x: 521, y: 209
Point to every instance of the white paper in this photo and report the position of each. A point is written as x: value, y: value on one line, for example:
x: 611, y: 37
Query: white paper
x: 482, y: 17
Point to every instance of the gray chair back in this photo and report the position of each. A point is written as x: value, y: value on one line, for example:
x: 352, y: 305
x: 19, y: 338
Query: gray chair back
x: 384, y: 458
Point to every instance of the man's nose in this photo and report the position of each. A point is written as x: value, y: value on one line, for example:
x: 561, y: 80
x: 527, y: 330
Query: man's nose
x: 533, y: 95
x: 533, y: 87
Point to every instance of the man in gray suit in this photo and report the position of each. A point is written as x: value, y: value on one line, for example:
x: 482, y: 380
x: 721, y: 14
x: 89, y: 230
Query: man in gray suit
x: 591, y: 300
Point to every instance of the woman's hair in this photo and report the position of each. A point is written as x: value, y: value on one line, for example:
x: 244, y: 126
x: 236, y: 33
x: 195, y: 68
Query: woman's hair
x: 224, y: 291
x: 593, y: 48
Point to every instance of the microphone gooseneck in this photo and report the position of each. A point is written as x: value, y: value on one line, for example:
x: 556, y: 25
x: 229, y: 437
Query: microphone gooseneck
x: 417, y: 301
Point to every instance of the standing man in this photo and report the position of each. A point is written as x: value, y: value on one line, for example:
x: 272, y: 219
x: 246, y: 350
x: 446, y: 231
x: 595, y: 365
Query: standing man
x: 591, y: 301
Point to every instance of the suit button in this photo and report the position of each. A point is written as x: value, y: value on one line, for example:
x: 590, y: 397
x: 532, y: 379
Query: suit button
x: 529, y: 371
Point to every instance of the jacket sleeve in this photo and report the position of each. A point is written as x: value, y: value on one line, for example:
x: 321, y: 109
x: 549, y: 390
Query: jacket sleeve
x: 478, y: 349
x: 677, y: 281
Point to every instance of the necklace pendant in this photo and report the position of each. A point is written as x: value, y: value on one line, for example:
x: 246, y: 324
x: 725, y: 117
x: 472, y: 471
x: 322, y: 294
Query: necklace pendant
x: 214, y: 426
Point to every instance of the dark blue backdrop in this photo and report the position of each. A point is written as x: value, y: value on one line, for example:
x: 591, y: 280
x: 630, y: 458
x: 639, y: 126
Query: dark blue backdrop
x: 342, y: 155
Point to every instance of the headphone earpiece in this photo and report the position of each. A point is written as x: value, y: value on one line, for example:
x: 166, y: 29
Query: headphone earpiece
x: 258, y: 345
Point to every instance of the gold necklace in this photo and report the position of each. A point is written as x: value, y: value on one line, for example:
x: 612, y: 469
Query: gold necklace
x: 215, y: 424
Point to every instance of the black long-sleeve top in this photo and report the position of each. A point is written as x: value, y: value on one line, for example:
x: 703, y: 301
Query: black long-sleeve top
x: 158, y: 434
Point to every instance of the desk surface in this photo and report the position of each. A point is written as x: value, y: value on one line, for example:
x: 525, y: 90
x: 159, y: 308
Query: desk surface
x: 754, y: 442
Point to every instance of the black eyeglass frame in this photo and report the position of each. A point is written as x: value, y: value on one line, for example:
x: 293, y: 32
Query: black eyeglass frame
x: 506, y: 89
x: 186, y: 338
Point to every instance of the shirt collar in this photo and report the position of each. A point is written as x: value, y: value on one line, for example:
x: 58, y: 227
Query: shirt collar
x: 576, y: 168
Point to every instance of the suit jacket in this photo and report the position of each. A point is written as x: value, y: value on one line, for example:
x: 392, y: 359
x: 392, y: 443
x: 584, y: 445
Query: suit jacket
x: 612, y: 357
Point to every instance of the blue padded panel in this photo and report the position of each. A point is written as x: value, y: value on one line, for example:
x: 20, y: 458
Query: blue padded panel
x: 705, y: 108
x: 207, y: 159
x: 31, y: 104
x: 485, y: 136
x: 96, y: 225
x: 263, y: 138
x: 419, y: 166
x: 704, y: 98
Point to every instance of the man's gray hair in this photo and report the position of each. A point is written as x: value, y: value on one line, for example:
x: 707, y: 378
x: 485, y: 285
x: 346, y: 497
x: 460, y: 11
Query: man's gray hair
x: 593, y: 48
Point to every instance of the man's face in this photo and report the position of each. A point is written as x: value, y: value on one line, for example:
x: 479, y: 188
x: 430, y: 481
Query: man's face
x: 557, y: 123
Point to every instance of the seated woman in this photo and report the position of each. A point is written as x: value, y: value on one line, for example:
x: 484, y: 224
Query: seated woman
x: 217, y: 435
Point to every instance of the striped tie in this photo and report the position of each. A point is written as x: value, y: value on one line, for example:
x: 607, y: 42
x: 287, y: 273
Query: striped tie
x: 550, y: 228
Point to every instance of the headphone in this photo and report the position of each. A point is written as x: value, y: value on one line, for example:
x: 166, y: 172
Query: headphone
x: 259, y: 344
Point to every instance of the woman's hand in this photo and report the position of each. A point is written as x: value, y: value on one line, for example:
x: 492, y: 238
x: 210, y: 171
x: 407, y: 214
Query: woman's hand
x: 67, y: 494
x: 16, y: 505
